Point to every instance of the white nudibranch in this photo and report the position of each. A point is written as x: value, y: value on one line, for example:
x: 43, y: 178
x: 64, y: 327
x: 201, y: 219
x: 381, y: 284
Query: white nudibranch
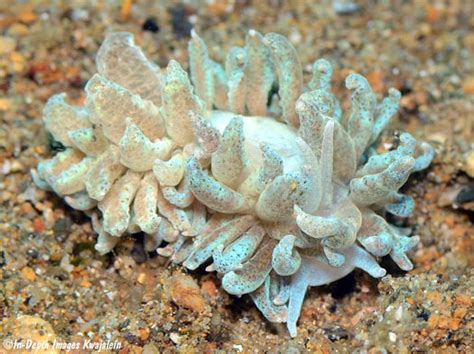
x: 277, y: 192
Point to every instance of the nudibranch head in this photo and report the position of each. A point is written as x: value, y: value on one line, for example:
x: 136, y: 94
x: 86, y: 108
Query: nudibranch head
x: 241, y: 168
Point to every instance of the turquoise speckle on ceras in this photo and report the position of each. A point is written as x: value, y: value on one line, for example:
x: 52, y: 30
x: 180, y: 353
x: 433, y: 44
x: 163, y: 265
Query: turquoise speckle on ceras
x: 276, y: 195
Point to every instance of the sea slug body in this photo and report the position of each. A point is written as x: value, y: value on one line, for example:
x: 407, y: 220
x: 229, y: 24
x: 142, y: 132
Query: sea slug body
x: 242, y: 167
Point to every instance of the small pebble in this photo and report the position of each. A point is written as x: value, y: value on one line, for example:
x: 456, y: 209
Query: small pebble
x: 466, y: 194
x: 150, y: 25
x: 150, y: 348
x: 180, y: 22
x: 175, y: 338
x: 18, y: 29
x: 5, y: 104
x: 186, y: 293
x: 31, y: 329
x: 238, y: 347
x: 344, y: 7
x: 469, y: 164
x: 7, y: 45
x: 28, y: 274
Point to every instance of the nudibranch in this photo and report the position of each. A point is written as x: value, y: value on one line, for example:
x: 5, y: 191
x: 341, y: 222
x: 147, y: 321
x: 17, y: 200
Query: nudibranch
x: 241, y: 167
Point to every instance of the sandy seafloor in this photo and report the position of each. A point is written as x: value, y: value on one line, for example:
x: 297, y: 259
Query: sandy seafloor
x: 54, y: 285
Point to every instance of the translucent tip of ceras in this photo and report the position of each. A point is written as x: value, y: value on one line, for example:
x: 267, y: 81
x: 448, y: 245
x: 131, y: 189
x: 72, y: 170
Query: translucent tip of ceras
x: 138, y: 153
x: 169, y: 173
x: 300, y: 106
x: 317, y: 226
x: 228, y: 160
x: 259, y: 76
x: 80, y: 201
x: 286, y: 259
x: 355, y: 81
x: 253, y: 272
x: 207, y: 136
x: 238, y: 251
x: 323, y: 66
x: 374, y: 188
x: 39, y: 181
x: 178, y: 100
x: 384, y: 112
x: 381, y: 239
x: 201, y: 70
x: 212, y: 193
x: 272, y: 167
x: 289, y: 72
x: 423, y: 161
x: 240, y: 57
x: 322, y: 72
x: 118, y: 54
